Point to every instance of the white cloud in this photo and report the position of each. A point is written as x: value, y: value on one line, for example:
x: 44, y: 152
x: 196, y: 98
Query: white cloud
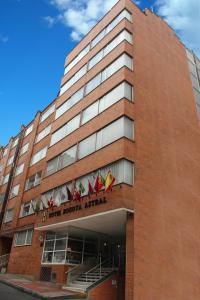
x: 50, y: 21
x: 184, y: 17
x: 3, y: 38
x: 80, y: 15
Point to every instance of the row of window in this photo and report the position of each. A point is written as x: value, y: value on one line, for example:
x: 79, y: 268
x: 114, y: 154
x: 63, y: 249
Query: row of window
x: 124, y: 90
x: 122, y: 127
x: 194, y: 67
x: 98, y: 38
x: 124, y: 35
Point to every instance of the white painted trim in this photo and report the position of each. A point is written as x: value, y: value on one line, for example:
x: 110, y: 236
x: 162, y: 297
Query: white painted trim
x: 52, y: 226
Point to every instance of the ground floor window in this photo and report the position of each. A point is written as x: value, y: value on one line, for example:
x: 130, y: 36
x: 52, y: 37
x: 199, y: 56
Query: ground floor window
x: 24, y: 237
x: 62, y: 249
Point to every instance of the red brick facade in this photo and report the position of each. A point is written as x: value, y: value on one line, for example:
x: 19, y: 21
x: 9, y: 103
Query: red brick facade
x: 162, y: 238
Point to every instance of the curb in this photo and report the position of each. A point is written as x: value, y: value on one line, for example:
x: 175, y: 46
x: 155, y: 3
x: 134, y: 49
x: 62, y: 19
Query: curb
x: 36, y: 294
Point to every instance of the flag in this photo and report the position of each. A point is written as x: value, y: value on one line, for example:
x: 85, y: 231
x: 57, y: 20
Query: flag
x: 76, y: 195
x: 90, y: 188
x: 81, y: 188
x: 98, y: 183
x: 63, y: 197
x: 110, y: 179
x: 51, y: 202
x: 69, y: 194
x: 102, y: 179
x: 37, y: 205
x: 57, y: 201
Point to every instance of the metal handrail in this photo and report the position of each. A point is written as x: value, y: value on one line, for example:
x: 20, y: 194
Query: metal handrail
x: 95, y: 267
x: 69, y: 271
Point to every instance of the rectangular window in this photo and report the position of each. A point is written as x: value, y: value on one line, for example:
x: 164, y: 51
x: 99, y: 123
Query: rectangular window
x: 122, y: 127
x: 38, y: 156
x: 90, y: 112
x: 70, y: 102
x: 26, y: 209
x: 49, y: 112
x: 28, y: 130
x: 15, y: 143
x: 5, y: 152
x: 124, y: 35
x: 24, y: 149
x: 14, y: 191
x: 63, y: 160
x: 122, y: 61
x: 87, y: 146
x: 1, y: 168
x: 9, y: 215
x: 106, y: 30
x: 43, y: 134
x: 33, y: 180
x: 24, y: 237
x: 77, y: 58
x: 72, y: 125
x: 99, y: 37
x: 19, y: 169
x: 5, y: 178
x: 10, y: 160
x: 73, y: 79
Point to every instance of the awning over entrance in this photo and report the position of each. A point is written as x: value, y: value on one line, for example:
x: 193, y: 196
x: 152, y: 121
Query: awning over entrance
x: 111, y: 222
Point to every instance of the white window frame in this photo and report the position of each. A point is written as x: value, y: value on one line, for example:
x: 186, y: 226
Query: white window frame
x: 26, y: 238
x: 28, y: 130
x: 19, y: 169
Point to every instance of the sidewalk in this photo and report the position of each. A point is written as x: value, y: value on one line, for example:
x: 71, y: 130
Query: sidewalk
x: 42, y: 290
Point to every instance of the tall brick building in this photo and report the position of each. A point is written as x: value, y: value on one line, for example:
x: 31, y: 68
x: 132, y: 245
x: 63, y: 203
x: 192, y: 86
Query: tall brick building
x: 129, y: 103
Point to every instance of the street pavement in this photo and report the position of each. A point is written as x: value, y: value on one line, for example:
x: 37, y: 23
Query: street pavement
x: 9, y: 293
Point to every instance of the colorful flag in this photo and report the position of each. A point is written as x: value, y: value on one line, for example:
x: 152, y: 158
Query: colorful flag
x: 90, y: 188
x: 37, y: 205
x: 76, y: 195
x: 81, y: 188
x: 57, y: 201
x: 51, y: 202
x: 98, y: 183
x: 110, y: 179
x: 69, y: 194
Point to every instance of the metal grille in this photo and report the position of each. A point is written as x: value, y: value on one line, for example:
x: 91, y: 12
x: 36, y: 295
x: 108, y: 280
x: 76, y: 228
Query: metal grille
x: 45, y: 274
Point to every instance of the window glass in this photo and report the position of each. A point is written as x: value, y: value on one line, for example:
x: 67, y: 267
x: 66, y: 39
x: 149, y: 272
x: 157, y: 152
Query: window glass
x: 19, y: 169
x: 87, y: 146
x: 93, y: 61
x: 73, y: 80
x: 26, y: 209
x: 24, y: 149
x: 14, y: 191
x: 15, y: 143
x: 90, y: 112
x: 9, y: 215
x: 10, y: 160
x: 92, y: 84
x: 28, y: 130
x: 24, y: 237
x: 52, y: 166
x: 77, y: 58
x: 38, y: 156
x: 59, y: 135
x: 43, y: 134
x: 47, y: 113
x: 73, y: 124
x: 5, y: 178
x: 67, y: 157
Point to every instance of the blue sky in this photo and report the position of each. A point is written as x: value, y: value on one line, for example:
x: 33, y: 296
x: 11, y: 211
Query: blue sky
x: 35, y: 37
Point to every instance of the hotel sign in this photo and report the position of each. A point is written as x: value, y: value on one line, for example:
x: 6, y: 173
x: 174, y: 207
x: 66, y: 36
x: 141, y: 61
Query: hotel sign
x: 80, y: 206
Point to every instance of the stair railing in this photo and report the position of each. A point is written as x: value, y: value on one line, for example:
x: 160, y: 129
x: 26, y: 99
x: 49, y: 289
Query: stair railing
x: 97, y: 266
